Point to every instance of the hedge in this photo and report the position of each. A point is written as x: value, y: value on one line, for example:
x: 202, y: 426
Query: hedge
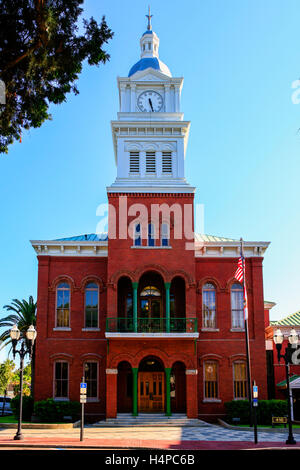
x: 27, y: 407
x: 51, y: 411
x: 265, y: 410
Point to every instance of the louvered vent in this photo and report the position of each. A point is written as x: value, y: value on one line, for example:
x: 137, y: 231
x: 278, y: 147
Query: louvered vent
x: 134, y: 162
x: 150, y: 162
x: 167, y: 162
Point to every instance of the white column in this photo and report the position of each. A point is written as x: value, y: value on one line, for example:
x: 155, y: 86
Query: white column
x: 133, y: 97
x: 122, y: 98
x: 167, y: 99
x: 177, y: 99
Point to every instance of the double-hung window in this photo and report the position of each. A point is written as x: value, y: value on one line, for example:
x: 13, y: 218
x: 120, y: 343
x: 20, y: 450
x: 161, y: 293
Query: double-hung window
x: 237, y: 306
x: 61, y: 379
x: 63, y: 305
x: 91, y: 378
x: 240, y: 380
x: 91, y: 305
x: 209, y: 305
x: 211, y: 380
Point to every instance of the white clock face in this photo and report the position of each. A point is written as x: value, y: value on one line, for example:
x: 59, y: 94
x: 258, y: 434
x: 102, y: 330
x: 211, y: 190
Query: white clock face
x: 150, y: 101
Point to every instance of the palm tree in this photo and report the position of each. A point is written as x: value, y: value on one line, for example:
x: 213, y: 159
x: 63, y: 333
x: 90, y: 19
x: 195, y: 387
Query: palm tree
x: 24, y: 315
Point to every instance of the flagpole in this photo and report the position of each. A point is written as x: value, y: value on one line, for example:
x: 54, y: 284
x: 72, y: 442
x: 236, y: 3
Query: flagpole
x: 246, y: 334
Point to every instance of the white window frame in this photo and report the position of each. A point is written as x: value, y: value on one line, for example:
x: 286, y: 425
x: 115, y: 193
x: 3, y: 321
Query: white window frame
x: 217, y: 398
x: 237, y: 314
x: 92, y: 399
x: 246, y: 379
x: 93, y: 289
x: 209, y: 289
x: 62, y: 328
x: 59, y: 398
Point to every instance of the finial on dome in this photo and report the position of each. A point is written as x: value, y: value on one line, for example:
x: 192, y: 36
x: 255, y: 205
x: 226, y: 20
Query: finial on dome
x: 149, y: 27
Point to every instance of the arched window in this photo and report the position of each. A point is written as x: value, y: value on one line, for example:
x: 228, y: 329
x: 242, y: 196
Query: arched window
x: 151, y: 234
x: 91, y: 305
x: 137, y: 235
x: 164, y: 234
x: 240, y: 380
x: 211, y: 388
x: 150, y: 290
x: 237, y: 307
x: 209, y: 306
x: 63, y: 305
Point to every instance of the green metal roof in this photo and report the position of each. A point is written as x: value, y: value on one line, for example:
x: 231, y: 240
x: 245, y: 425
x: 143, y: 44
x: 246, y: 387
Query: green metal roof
x: 104, y: 237
x: 283, y: 383
x: 291, y: 320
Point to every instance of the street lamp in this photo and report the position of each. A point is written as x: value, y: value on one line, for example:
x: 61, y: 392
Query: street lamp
x: 26, y: 348
x: 287, y: 356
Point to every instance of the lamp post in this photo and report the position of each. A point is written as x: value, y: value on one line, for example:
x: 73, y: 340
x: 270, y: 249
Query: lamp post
x: 27, y: 343
x: 287, y: 356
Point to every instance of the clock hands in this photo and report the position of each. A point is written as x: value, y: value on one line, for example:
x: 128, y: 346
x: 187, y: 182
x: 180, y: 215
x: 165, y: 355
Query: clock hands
x: 151, y: 104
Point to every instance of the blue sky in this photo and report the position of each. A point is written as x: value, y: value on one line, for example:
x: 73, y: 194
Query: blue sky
x: 239, y: 59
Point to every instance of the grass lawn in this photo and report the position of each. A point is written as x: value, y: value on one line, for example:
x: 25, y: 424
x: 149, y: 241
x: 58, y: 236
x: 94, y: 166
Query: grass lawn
x: 10, y: 419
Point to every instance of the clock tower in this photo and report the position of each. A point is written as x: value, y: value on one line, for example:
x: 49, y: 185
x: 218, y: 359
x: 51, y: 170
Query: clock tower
x: 150, y: 134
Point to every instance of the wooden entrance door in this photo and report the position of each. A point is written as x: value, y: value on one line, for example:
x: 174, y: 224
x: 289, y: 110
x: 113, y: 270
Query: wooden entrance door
x: 151, y: 392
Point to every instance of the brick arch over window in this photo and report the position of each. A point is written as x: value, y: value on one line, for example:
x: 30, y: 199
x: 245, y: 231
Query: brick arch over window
x: 211, y: 357
x: 237, y: 358
x: 62, y: 278
x: 92, y: 278
x: 233, y: 280
x: 209, y: 280
x: 61, y: 357
x: 90, y: 357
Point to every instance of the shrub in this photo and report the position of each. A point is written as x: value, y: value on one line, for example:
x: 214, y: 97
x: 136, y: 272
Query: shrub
x: 27, y: 407
x: 265, y: 410
x: 51, y: 411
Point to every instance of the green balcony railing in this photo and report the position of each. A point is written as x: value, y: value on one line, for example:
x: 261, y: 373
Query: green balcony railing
x: 151, y: 325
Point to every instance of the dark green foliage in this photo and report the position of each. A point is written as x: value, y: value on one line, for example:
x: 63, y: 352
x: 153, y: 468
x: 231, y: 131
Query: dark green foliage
x: 27, y: 408
x: 41, y: 57
x: 51, y: 411
x: 265, y: 410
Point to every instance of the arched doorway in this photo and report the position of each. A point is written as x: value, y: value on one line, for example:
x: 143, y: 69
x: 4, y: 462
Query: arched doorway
x: 125, y: 304
x: 177, y: 304
x: 124, y: 388
x: 151, y: 295
x: 178, y: 388
x: 151, y: 386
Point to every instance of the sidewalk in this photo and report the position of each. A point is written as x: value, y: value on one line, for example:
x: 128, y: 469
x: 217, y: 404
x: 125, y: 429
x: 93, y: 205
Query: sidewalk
x: 211, y: 438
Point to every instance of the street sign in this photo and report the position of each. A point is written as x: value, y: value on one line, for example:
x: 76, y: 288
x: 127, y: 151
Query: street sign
x: 82, y: 398
x: 83, y: 388
x: 255, y: 391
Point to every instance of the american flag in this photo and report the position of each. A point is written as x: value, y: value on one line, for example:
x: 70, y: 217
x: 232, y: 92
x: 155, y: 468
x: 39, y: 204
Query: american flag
x: 240, y: 275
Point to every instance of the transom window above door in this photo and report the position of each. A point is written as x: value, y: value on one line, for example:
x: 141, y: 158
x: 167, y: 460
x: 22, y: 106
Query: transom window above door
x: 150, y: 291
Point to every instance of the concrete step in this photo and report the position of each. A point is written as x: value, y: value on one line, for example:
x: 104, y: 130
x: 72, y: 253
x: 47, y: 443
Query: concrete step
x: 143, y: 419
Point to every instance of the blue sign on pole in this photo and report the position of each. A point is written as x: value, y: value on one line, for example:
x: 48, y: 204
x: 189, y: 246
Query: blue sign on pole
x: 83, y: 385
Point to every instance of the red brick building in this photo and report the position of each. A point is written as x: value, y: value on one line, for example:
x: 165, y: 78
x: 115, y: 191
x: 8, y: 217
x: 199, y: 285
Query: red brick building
x: 277, y: 386
x: 150, y: 313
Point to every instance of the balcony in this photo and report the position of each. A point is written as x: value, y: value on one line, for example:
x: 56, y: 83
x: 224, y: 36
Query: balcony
x: 152, y: 327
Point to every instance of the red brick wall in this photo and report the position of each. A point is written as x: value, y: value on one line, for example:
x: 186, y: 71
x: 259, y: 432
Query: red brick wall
x: 77, y: 346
